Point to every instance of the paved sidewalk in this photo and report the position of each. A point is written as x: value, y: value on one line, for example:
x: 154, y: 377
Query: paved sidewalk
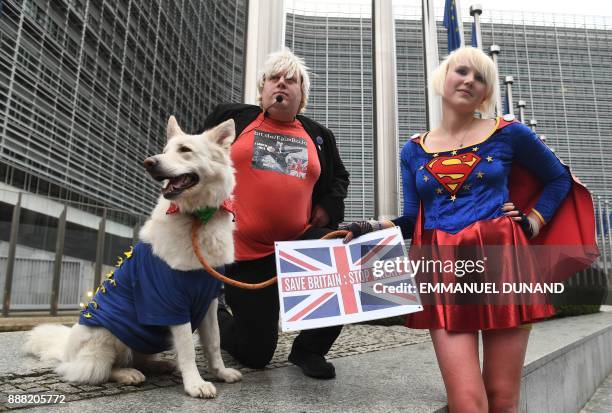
x: 390, y: 369
x: 359, y: 351
x: 601, y: 402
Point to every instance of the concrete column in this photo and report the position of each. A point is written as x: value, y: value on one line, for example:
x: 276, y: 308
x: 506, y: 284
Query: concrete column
x: 265, y: 34
x: 100, y: 250
x: 10, y: 261
x: 385, y: 104
x: 432, y: 61
x: 57, y: 265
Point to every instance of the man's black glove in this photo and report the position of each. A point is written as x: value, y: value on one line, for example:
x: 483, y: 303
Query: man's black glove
x: 359, y: 228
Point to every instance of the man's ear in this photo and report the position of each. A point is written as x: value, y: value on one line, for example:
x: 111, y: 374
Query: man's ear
x: 173, y: 128
x: 223, y: 134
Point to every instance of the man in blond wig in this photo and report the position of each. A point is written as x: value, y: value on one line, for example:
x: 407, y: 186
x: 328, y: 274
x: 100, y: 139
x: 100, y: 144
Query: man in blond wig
x: 290, y: 184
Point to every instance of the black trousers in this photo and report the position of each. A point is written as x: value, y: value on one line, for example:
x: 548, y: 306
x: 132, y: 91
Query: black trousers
x: 250, y: 336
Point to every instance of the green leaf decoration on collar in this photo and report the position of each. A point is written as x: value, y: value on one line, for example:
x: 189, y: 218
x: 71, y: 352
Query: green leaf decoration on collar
x: 205, y: 214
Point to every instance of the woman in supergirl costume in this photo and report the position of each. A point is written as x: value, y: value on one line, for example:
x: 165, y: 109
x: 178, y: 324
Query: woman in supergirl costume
x: 484, y: 182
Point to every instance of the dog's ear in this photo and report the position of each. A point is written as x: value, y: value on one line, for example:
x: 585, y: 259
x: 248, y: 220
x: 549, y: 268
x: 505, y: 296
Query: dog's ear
x: 173, y: 128
x: 223, y: 134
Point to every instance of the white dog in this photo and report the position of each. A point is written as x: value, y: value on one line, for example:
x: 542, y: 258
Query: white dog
x: 159, y: 294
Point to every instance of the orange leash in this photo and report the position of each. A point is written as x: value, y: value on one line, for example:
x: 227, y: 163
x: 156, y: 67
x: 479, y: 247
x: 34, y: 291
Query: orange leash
x: 248, y: 286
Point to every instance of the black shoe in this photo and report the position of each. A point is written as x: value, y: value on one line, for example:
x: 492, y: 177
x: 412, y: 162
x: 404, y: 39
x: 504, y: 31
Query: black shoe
x: 313, y: 365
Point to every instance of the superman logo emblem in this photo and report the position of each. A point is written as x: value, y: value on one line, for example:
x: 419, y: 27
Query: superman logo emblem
x: 452, y: 171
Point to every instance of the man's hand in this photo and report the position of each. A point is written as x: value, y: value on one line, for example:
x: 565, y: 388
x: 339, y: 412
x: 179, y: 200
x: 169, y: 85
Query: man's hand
x: 356, y: 229
x: 319, y: 217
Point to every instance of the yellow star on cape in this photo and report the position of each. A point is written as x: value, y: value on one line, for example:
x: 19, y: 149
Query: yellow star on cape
x: 435, y: 155
x: 113, y: 282
x: 454, y: 152
x: 425, y: 178
x: 87, y: 315
x: 119, y: 262
x: 453, y: 197
x: 475, y: 149
x: 110, y: 274
x: 467, y: 187
x: 480, y: 175
x: 421, y: 167
x: 489, y: 159
x: 438, y: 191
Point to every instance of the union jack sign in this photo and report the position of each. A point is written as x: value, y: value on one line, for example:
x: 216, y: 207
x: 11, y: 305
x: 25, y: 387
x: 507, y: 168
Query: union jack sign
x: 325, y: 282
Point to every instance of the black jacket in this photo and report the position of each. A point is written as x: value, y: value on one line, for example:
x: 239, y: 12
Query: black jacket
x: 330, y: 190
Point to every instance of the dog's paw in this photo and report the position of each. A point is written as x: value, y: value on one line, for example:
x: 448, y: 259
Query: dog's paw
x: 201, y: 389
x: 127, y: 376
x: 229, y: 375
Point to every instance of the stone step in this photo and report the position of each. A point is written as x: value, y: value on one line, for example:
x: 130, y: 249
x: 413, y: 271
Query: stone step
x: 378, y: 369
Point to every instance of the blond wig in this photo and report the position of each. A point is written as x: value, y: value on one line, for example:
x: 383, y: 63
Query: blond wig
x: 483, y: 64
x: 287, y: 63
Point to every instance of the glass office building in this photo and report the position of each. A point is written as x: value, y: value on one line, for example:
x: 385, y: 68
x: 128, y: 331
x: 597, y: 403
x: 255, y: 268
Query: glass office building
x: 560, y: 66
x: 86, y: 88
x: 338, y: 51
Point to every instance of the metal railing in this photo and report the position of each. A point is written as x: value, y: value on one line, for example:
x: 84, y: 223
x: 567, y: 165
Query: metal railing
x: 32, y: 284
x: 52, y: 265
x: 55, y: 254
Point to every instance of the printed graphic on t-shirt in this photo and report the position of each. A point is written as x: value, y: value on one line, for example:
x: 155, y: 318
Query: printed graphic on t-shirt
x: 280, y: 153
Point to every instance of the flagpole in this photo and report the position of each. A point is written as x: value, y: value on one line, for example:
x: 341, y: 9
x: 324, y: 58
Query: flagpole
x: 606, y: 203
x: 475, y: 12
x: 604, y: 254
x: 521, y: 107
x: 509, y: 81
x: 532, y: 124
x: 431, y: 60
x: 495, y: 49
x: 460, y: 23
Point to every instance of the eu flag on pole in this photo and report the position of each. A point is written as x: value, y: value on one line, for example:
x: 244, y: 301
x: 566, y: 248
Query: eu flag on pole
x: 451, y: 22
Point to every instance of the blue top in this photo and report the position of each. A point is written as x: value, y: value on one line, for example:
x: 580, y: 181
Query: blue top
x: 144, y: 295
x: 458, y: 188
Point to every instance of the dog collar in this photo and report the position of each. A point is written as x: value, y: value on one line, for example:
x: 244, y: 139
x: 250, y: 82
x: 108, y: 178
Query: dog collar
x: 205, y: 214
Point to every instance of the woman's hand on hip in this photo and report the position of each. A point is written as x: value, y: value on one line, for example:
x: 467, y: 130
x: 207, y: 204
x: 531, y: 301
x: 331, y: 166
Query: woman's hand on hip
x: 530, y: 225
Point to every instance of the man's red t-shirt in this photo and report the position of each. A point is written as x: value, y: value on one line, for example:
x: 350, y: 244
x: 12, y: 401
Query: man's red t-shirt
x: 276, y: 169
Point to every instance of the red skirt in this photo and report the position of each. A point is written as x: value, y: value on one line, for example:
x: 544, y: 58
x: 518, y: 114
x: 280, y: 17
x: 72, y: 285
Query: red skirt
x: 566, y: 245
x: 514, y: 261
